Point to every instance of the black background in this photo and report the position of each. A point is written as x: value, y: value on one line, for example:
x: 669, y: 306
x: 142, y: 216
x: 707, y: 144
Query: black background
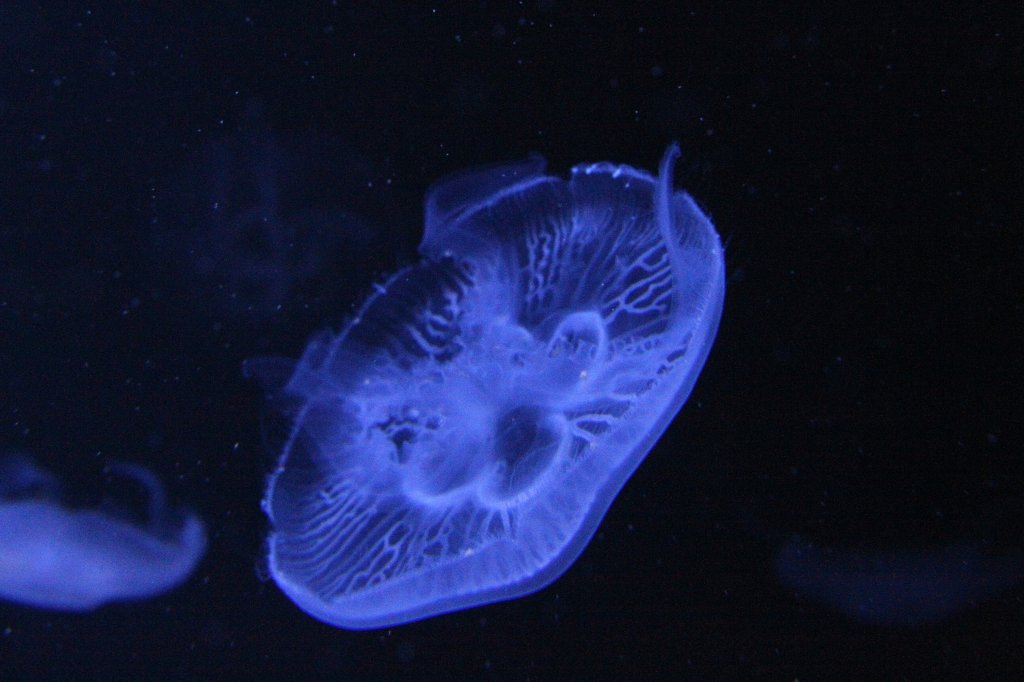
x: 862, y: 164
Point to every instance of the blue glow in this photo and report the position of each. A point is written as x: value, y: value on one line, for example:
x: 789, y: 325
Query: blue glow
x: 461, y: 438
x: 903, y: 588
x: 56, y: 557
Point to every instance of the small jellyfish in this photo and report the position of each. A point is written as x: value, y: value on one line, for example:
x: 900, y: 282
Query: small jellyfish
x: 56, y: 557
x: 460, y: 439
x: 898, y: 587
x: 246, y: 232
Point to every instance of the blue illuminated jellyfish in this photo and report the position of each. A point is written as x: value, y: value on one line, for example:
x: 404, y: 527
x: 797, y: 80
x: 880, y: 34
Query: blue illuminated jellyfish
x: 247, y: 231
x: 898, y: 587
x: 460, y: 439
x: 56, y: 557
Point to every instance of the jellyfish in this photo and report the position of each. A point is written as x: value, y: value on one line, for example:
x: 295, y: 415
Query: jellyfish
x: 908, y: 587
x: 75, y: 559
x: 245, y: 230
x: 459, y: 440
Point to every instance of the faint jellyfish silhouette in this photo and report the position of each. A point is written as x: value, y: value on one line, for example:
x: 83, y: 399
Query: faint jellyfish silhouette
x: 460, y: 439
x: 245, y: 228
x: 56, y: 557
x: 898, y: 587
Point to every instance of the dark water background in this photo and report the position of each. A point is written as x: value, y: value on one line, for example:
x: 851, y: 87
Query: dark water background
x: 864, y: 166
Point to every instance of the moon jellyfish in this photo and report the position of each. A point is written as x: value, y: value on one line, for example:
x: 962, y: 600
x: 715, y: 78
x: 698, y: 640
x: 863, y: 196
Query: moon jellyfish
x: 460, y: 439
x: 245, y: 229
x: 56, y: 557
x: 903, y: 588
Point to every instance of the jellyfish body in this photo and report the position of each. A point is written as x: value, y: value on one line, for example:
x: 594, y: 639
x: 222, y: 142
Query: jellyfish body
x: 461, y: 438
x: 70, y: 559
x: 247, y: 231
x: 898, y: 587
